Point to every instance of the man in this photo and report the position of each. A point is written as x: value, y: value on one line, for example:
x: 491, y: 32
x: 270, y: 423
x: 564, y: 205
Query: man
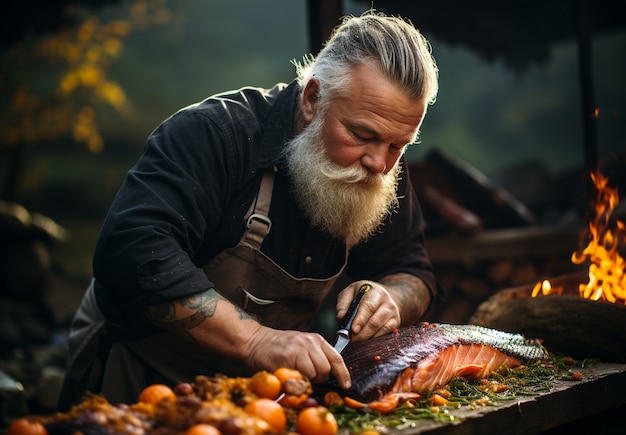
x: 244, y: 210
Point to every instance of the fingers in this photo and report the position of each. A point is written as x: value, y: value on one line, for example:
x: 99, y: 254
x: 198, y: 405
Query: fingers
x: 309, y: 353
x: 338, y: 367
x: 344, y: 299
x: 321, y: 361
x: 381, y: 322
x: 309, y: 357
x: 389, y: 326
x: 378, y: 313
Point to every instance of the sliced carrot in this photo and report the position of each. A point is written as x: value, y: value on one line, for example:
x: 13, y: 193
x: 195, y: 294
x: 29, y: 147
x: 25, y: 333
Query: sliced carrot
x: 436, y: 399
x: 384, y: 405
x: 353, y: 403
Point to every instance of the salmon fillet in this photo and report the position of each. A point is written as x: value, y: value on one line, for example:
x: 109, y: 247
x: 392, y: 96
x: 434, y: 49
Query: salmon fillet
x: 469, y: 361
x: 421, y: 358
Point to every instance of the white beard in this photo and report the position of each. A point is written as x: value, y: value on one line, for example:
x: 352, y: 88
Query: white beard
x: 347, y: 203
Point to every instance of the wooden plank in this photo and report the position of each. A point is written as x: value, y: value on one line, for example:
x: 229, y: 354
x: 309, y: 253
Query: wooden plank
x: 601, y: 389
x: 513, y: 243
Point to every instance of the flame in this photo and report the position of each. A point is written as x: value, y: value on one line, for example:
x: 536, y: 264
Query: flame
x: 607, y: 280
x: 546, y: 288
x: 607, y: 276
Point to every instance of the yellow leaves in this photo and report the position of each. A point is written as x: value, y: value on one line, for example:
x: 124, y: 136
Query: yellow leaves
x: 118, y: 28
x: 87, y: 29
x: 114, y: 95
x: 85, y: 129
x: 92, y: 42
x: 76, y: 62
x: 89, y: 74
x: 105, y: 90
x: 86, y: 75
x: 112, y: 47
x: 68, y: 84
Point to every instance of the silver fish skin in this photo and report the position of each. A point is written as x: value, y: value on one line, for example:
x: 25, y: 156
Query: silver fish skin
x: 375, y: 364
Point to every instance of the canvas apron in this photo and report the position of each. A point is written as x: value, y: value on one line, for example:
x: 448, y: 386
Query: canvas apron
x: 102, y: 361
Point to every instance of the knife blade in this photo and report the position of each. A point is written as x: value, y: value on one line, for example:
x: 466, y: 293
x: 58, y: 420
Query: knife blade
x: 344, y: 332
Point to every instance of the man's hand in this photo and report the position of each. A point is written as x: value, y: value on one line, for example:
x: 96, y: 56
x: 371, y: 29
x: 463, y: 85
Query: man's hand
x: 378, y: 313
x: 309, y: 353
x: 213, y: 322
x: 397, y: 300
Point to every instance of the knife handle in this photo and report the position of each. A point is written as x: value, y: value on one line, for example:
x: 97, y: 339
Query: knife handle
x: 346, y: 322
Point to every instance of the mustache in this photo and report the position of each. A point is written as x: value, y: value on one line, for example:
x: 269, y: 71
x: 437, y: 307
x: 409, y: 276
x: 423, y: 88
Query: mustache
x: 350, y: 175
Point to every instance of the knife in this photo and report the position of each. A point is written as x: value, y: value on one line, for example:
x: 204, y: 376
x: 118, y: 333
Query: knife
x: 344, y: 331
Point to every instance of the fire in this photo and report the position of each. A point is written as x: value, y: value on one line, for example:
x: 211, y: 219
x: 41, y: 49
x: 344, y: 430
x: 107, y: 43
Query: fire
x: 607, y: 276
x: 545, y: 287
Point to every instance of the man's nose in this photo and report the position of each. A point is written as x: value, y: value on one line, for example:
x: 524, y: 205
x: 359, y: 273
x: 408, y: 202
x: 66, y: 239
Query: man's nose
x: 375, y: 162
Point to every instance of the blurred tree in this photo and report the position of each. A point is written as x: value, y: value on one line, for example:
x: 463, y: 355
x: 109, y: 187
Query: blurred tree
x: 41, y: 18
x: 66, y: 104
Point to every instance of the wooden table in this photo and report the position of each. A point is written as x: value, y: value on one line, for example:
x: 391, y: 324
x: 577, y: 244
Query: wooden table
x: 598, y: 401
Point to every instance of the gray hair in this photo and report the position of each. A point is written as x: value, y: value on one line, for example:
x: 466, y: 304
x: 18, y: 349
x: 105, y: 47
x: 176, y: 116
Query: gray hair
x: 391, y: 44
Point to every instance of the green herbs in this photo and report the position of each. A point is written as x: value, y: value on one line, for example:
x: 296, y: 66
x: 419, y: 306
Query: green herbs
x: 504, y: 384
x: 402, y: 417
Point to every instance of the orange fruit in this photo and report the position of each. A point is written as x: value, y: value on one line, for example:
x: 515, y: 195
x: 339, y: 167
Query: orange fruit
x: 333, y: 398
x: 202, y: 429
x: 284, y: 374
x: 270, y: 411
x: 155, y: 393
x: 265, y: 384
x: 293, y: 400
x: 316, y: 420
x: 24, y: 426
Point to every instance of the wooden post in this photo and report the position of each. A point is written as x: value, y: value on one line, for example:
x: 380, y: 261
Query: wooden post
x: 323, y: 17
x: 587, y: 95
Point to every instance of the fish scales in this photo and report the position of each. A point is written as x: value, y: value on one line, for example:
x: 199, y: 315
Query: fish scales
x: 376, y: 364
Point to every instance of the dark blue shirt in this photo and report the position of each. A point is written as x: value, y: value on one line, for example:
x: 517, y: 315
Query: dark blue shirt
x: 185, y: 200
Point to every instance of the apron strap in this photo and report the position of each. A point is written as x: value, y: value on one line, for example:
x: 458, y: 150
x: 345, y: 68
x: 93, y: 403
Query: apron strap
x: 258, y: 223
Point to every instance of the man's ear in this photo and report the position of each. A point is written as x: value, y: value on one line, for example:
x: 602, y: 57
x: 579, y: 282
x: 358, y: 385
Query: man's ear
x: 309, y: 100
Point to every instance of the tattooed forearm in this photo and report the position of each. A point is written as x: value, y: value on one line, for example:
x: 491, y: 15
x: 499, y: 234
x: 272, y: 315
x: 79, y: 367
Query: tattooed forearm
x: 184, y: 314
x: 243, y: 314
x: 410, y: 293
